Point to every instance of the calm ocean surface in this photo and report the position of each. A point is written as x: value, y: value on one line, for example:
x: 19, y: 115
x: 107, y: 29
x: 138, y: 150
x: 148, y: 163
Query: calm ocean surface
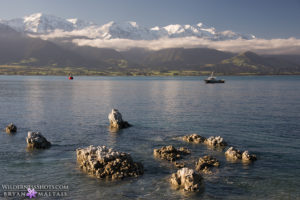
x: 259, y: 114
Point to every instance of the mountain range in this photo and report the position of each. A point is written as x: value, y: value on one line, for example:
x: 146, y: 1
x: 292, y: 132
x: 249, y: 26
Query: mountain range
x: 43, y: 44
x: 52, y: 26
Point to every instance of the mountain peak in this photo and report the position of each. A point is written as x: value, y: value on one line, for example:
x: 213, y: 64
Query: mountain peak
x: 40, y: 23
x: 73, y: 20
x: 40, y: 16
x: 80, y: 24
x: 200, y: 24
x: 33, y: 17
x: 133, y: 24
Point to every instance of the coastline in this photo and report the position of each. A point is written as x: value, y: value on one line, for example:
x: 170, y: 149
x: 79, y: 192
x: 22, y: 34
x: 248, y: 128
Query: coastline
x: 82, y: 71
x: 149, y: 74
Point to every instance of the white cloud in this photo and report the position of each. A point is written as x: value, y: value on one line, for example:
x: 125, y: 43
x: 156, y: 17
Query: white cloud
x: 263, y: 46
x: 271, y: 46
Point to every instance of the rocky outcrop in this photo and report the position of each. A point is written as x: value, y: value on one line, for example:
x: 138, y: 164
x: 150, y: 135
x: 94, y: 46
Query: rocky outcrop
x: 37, y: 140
x: 187, y: 179
x: 235, y: 154
x: 103, y: 162
x: 194, y: 138
x: 206, y: 163
x: 116, y: 120
x: 170, y: 153
x: 215, y: 142
x: 248, y: 157
x: 11, y: 128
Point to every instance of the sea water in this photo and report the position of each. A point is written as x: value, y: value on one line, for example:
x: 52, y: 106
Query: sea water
x: 256, y: 113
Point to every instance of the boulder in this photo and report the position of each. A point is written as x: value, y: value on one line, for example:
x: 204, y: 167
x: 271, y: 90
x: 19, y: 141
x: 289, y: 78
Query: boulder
x: 170, y: 153
x: 194, y: 138
x: 116, y: 121
x: 248, y: 157
x: 11, y: 128
x: 37, y: 140
x: 187, y: 179
x: 206, y: 163
x: 103, y: 162
x: 235, y: 154
x: 215, y: 142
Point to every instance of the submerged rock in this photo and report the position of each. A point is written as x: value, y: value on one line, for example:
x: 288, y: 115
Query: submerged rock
x: 170, y: 153
x: 206, y: 163
x: 37, y: 140
x: 103, y: 162
x: 116, y: 121
x: 187, y: 179
x: 11, y: 128
x: 179, y: 164
x: 215, y: 141
x: 194, y: 138
x: 235, y: 154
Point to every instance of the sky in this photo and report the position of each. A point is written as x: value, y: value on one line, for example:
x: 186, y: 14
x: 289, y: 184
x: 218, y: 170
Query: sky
x: 266, y: 19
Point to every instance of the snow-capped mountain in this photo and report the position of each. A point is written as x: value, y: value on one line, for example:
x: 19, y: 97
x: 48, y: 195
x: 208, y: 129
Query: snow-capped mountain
x: 39, y: 23
x: 48, y: 26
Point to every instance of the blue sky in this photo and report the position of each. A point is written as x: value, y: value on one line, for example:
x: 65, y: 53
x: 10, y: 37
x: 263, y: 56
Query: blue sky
x: 263, y: 18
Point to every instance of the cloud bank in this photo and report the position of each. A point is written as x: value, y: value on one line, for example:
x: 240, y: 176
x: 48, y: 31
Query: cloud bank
x: 262, y: 46
x: 257, y: 45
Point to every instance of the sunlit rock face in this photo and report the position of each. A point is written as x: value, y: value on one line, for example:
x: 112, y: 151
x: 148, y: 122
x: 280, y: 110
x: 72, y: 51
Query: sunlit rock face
x: 11, y: 128
x: 215, y: 142
x: 194, y: 138
x: 187, y: 180
x: 235, y: 154
x: 116, y: 120
x: 170, y: 153
x: 106, y: 163
x: 205, y: 164
x: 36, y: 140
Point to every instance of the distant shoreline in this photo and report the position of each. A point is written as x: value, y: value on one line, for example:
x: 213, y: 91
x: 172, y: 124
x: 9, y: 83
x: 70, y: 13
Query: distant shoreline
x: 83, y: 71
x: 149, y: 75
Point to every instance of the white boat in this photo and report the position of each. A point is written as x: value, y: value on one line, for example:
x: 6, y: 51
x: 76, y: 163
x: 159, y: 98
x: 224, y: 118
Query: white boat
x: 213, y: 79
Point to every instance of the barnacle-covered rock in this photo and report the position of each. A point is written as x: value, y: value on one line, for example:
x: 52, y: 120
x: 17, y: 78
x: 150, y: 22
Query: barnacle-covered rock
x: 170, y: 153
x: 104, y: 162
x: 187, y: 179
x: 206, y: 163
x: 194, y: 138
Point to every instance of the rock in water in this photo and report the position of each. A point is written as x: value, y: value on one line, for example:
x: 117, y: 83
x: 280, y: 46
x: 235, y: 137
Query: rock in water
x: 116, y: 121
x: 170, y: 153
x: 235, y: 154
x: 206, y: 163
x: 194, y: 138
x: 11, y: 128
x: 248, y: 157
x: 187, y: 179
x: 215, y: 142
x: 37, y: 140
x: 103, y: 162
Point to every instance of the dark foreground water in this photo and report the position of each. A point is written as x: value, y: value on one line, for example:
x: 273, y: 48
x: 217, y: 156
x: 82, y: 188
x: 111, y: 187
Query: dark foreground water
x: 259, y: 114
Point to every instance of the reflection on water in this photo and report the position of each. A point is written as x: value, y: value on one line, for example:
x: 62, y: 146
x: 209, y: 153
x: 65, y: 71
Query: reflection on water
x: 259, y: 114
